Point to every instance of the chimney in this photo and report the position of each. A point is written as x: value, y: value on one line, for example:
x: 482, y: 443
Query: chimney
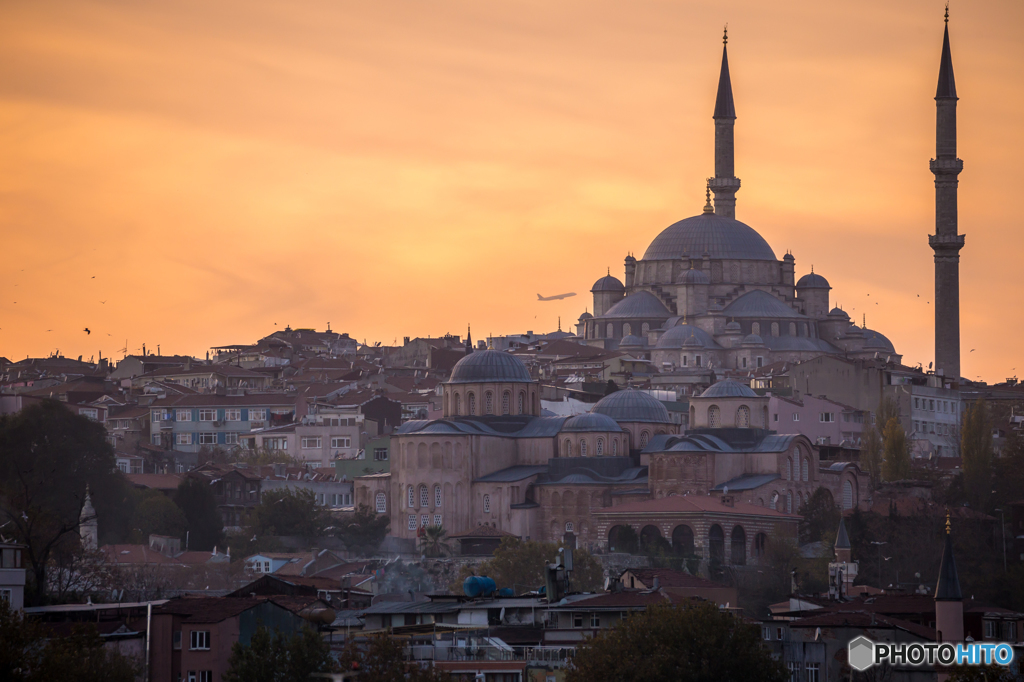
x: 657, y: 584
x: 728, y: 501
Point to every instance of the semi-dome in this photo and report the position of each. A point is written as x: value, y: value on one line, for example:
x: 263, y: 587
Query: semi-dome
x: 678, y: 335
x: 727, y: 388
x: 694, y: 276
x: 752, y: 339
x: 630, y: 405
x: 631, y: 341
x: 641, y: 304
x: 813, y: 281
x: 716, y: 235
x: 591, y: 421
x: 608, y: 283
x: 489, y: 366
x: 759, y: 303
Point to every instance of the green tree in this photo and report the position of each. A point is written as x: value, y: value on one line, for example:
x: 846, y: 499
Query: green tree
x: 288, y: 512
x: 677, y: 644
x: 520, y: 564
x: 156, y: 514
x: 382, y: 659
x: 434, y: 542
x: 29, y: 654
x: 976, y: 451
x: 205, y: 526
x: 48, y: 455
x: 363, y: 531
x: 871, y: 454
x: 896, y: 448
x: 821, y: 517
x: 279, y: 657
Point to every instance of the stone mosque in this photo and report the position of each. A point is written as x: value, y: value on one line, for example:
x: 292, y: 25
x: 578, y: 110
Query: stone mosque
x: 709, y: 292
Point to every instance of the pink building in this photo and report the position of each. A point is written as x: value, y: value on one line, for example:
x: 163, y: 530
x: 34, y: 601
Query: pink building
x: 827, y: 423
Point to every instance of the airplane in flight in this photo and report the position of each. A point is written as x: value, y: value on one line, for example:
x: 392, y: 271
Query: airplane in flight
x: 555, y: 298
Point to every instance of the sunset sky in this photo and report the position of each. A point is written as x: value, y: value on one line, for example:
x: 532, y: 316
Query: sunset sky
x: 191, y: 173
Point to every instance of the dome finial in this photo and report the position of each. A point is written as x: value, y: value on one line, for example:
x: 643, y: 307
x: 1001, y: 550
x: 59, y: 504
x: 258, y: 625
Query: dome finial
x: 725, y: 31
x: 708, y: 208
x: 609, y: 269
x: 812, y: 268
x: 947, y: 11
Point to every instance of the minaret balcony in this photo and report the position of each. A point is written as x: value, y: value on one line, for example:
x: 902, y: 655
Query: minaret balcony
x: 946, y: 241
x: 946, y: 166
x: 726, y: 184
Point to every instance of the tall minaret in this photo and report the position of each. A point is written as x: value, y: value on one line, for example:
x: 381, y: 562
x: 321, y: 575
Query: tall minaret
x: 946, y: 242
x: 725, y: 183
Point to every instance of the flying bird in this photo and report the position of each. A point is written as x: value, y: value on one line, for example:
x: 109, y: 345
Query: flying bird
x: 94, y: 277
x: 103, y: 302
x: 972, y: 350
x: 87, y: 330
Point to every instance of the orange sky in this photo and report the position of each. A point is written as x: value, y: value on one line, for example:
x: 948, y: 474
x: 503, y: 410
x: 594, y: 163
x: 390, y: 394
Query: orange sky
x: 402, y: 167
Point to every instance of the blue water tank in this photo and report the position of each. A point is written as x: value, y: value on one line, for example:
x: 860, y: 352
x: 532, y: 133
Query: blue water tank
x: 506, y: 592
x: 477, y: 585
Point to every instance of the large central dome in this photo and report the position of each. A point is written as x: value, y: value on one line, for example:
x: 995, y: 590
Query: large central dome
x: 718, y: 236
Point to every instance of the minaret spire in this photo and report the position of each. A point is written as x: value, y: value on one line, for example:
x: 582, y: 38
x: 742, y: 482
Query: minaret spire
x: 946, y: 242
x: 725, y: 183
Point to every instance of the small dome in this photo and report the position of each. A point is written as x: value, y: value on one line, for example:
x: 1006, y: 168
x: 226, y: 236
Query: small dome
x: 813, y: 281
x: 630, y: 405
x: 608, y: 283
x: 693, y: 342
x: 631, y: 340
x: 679, y: 335
x: 591, y: 421
x: 489, y: 366
x: 753, y: 339
x: 642, y: 304
x: 630, y: 259
x: 727, y: 388
x: 853, y: 330
x: 694, y: 276
x: 838, y: 312
x: 732, y: 327
x: 586, y: 316
x: 876, y: 340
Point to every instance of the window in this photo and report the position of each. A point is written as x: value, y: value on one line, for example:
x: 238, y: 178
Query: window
x: 697, y: 361
x: 990, y: 629
x: 233, y: 415
x: 827, y: 417
x: 577, y: 620
x: 615, y: 448
x: 714, y: 417
x: 755, y: 328
x: 644, y: 436
x: 380, y: 454
x: 424, y: 520
x: 424, y: 496
x: 183, y: 439
x: 266, y: 567
x: 760, y: 361
x: 806, y: 470
x: 775, y: 418
x: 471, y: 402
x: 595, y: 620
x: 743, y: 417
x: 744, y: 363
x: 789, y: 503
x: 583, y: 447
x: 207, y: 438
x: 437, y: 496
x: 506, y: 402
x: 567, y: 448
x: 258, y: 414
x: 157, y: 414
x: 488, y: 403
x: 341, y: 442
x: 796, y: 416
x: 176, y: 640
x: 794, y: 671
x: 813, y: 673
x: 569, y: 527
x: 627, y: 330
x: 200, y: 639
x: 412, y: 497
x: 437, y: 520
x: 487, y: 504
x: 1009, y: 631
x: 600, y: 446
x: 207, y: 415
x: 412, y: 522
x: 310, y: 442
x: 778, y: 633
x: 766, y: 633
x: 644, y: 328
x: 775, y: 328
x: 610, y: 331
x: 847, y: 495
x: 183, y: 415
x: 382, y: 503
x: 522, y: 402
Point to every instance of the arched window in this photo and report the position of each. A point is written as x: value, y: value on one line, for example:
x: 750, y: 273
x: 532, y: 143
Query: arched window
x: 644, y: 328
x: 693, y: 416
x: 773, y: 502
x: 458, y: 404
x: 644, y: 436
x: 626, y: 329
x: 488, y: 402
x: 716, y: 543
x: 775, y: 328
x: 437, y: 496
x: 382, y: 503
x: 583, y: 447
x: 522, y: 402
x: 567, y: 448
x: 847, y: 495
x: 682, y: 540
x: 738, y: 549
x: 487, y: 504
x: 446, y: 404
x: 615, y: 448
x: 611, y: 331
x: 760, y: 545
x: 412, y: 497
x: 600, y: 447
x: 743, y: 417
x: 424, y: 496
x: 806, y: 469
x: 714, y: 417
x: 789, y: 503
x: 569, y: 527
x: 471, y: 403
x: 506, y: 403
x: 788, y: 474
x: 755, y: 328
x: 792, y: 328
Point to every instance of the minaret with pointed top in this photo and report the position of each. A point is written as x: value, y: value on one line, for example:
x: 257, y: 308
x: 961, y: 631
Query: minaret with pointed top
x: 88, y: 526
x: 946, y: 242
x: 469, y: 340
x: 949, y: 600
x: 843, y: 569
x: 725, y: 184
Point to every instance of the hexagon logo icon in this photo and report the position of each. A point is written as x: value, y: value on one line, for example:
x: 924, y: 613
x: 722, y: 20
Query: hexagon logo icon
x: 861, y: 653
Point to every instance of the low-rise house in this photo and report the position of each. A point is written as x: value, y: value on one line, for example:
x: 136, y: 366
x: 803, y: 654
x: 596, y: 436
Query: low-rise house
x: 127, y: 427
x: 12, y: 575
x: 188, y: 423
x: 373, y: 458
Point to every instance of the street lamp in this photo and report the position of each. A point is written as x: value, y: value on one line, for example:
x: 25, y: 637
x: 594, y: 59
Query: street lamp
x: 879, y: 544
x: 1002, y: 516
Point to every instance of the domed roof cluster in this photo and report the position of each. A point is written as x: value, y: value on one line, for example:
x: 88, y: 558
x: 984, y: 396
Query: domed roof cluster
x: 591, y: 421
x: 716, y: 235
x: 694, y: 276
x: 641, y: 304
x: 812, y: 281
x: 608, y: 283
x: 489, y: 366
x: 727, y: 388
x: 680, y: 335
x: 630, y: 405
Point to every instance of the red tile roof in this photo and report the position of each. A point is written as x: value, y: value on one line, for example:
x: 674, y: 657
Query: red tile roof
x: 155, y: 481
